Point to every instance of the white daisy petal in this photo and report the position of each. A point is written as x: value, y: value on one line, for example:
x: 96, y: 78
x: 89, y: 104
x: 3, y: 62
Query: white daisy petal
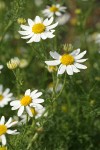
x: 12, y: 124
x: 29, y: 111
x: 58, y: 13
x: 52, y: 26
x: 25, y: 32
x: 43, y: 36
x: 75, y: 52
x: 2, y: 121
x: 3, y: 139
x: 35, y: 38
x: 27, y: 92
x: 53, y: 62
x: 75, y: 69
x: 13, y: 103
x: 38, y: 19
x: 37, y: 95
x: 24, y: 27
x: 80, y: 66
x: 6, y: 91
x: 55, y: 55
x: 16, y: 107
x: 61, y: 69
x: 21, y: 110
x: 11, y: 131
x: 39, y: 100
x: 69, y: 70
x: 28, y: 36
x: 48, y: 22
x: 80, y: 60
x: 80, y: 55
x: 9, y: 121
x: 30, y: 22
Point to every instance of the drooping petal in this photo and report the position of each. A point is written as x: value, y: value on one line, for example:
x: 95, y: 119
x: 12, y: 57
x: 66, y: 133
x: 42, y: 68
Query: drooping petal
x: 3, y: 137
x: 61, y: 69
x: 69, y: 70
x: 29, y: 111
x: 20, y: 111
x: 75, y: 69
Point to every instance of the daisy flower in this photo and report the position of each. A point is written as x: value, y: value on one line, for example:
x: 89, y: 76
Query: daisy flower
x: 54, y: 10
x: 68, y: 62
x: 4, y: 129
x: 30, y: 99
x: 38, y: 29
x: 1, y: 66
x: 5, y: 96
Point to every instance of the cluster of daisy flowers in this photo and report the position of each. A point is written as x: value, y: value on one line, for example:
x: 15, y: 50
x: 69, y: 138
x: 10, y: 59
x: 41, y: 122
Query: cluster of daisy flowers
x: 31, y: 103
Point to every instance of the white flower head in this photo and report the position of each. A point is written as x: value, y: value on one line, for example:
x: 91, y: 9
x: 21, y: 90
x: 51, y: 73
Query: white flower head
x: 63, y: 19
x: 38, y: 29
x: 4, y: 129
x: 5, y: 96
x: 68, y: 62
x: 30, y: 99
x: 1, y: 67
x: 54, y: 10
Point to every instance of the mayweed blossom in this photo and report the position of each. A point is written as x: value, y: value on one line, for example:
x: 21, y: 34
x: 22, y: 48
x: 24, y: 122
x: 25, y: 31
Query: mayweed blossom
x: 1, y: 66
x: 13, y: 63
x: 31, y: 99
x: 5, y: 96
x: 63, y: 19
x: 4, y: 128
x: 38, y: 29
x: 54, y: 10
x: 68, y: 62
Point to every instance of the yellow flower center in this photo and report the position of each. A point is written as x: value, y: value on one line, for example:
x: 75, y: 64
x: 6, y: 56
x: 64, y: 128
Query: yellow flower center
x: 26, y: 100
x: 1, y: 97
x: 53, y: 8
x: 38, y: 28
x: 3, y: 148
x: 67, y: 59
x: 3, y: 129
x: 33, y: 111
